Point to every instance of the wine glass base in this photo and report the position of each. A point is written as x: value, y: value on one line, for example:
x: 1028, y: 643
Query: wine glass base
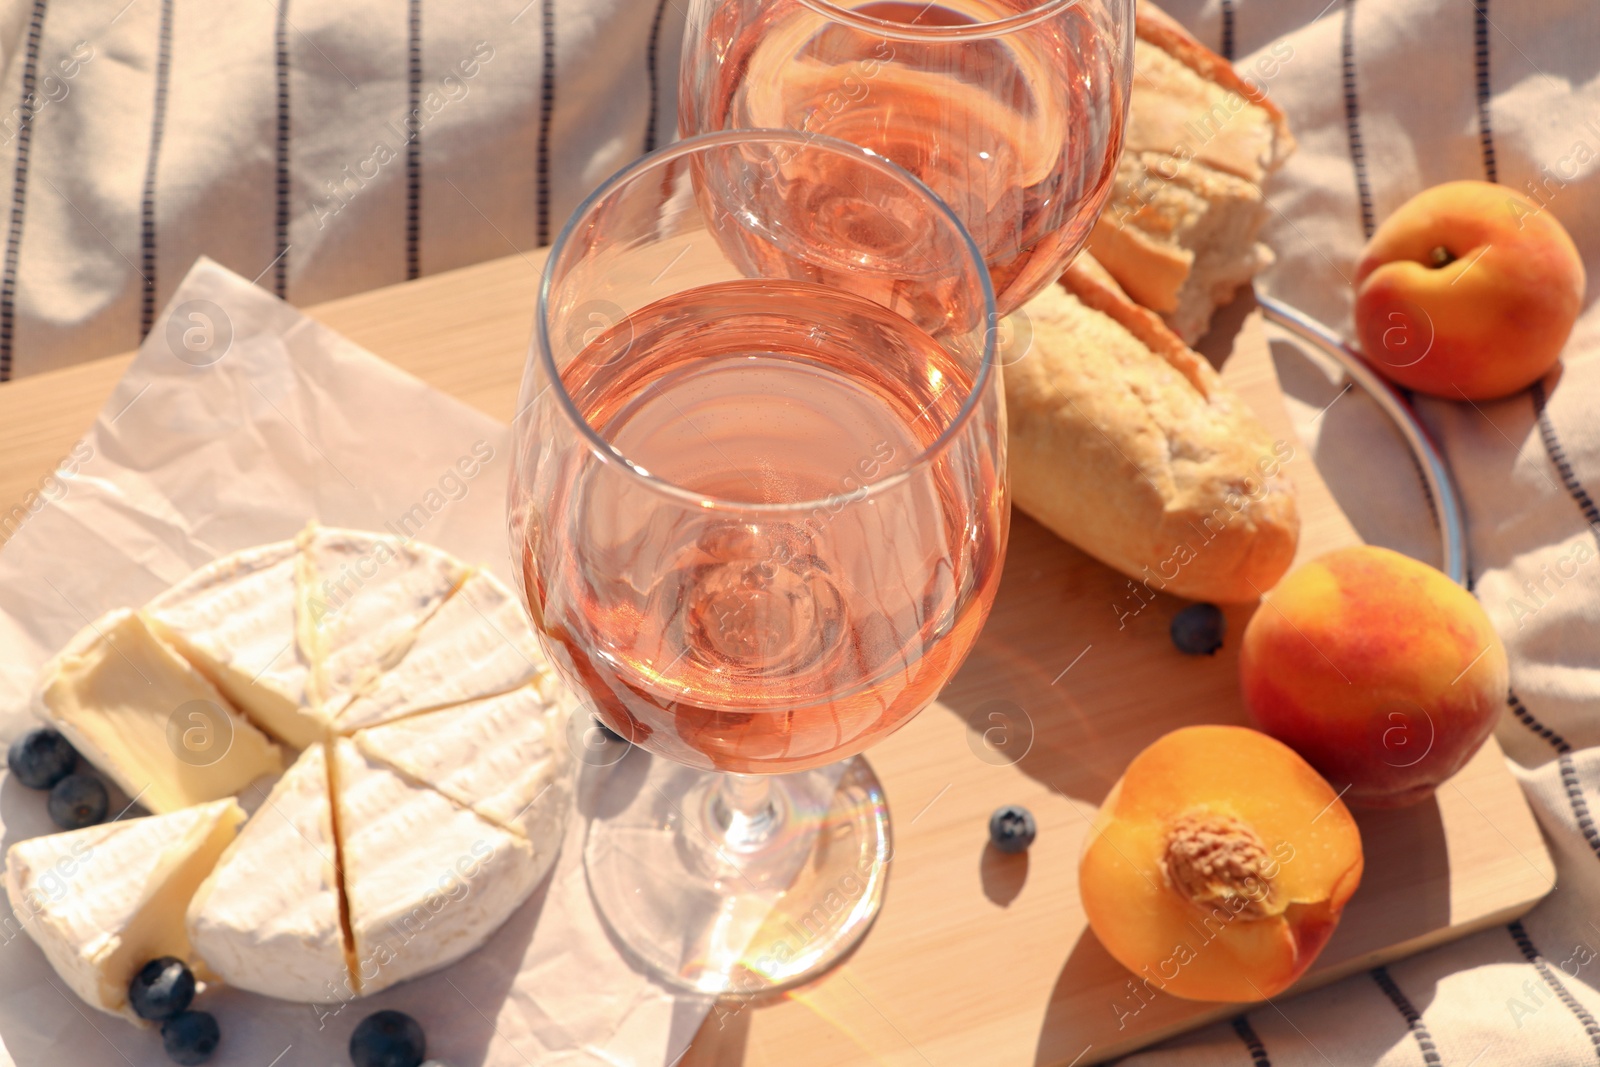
x: 706, y: 915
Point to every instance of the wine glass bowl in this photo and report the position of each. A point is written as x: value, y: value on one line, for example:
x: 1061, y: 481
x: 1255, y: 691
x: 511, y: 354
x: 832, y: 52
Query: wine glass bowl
x: 1012, y: 112
x: 759, y: 509
x: 819, y: 217
x: 727, y: 475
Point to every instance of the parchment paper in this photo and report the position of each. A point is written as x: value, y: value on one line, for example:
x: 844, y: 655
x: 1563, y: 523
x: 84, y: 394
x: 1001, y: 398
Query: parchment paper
x: 239, y: 420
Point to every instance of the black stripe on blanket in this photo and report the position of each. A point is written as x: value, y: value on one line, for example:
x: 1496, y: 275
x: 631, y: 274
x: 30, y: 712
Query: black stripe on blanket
x: 413, y: 126
x: 1227, y: 30
x: 1480, y: 37
x: 19, y: 188
x: 1402, y: 1004
x: 547, y: 107
x: 1352, y: 117
x: 147, y: 203
x: 1569, y: 772
x: 280, y: 265
x: 1558, y: 457
x: 1247, y: 1034
x: 1591, y: 515
x: 1519, y: 934
x: 650, y: 68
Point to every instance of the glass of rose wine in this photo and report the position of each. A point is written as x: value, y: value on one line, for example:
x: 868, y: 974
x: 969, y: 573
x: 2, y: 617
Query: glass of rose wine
x: 759, y: 509
x: 1012, y: 111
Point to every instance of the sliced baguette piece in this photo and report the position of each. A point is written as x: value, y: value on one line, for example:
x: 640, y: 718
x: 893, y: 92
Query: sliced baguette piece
x: 1188, y: 101
x: 1126, y: 443
x: 1179, y: 233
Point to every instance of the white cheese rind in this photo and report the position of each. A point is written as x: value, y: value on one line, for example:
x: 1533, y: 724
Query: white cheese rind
x: 506, y: 758
x: 122, y: 696
x: 267, y: 919
x: 477, y: 645
x: 235, y: 619
x: 363, y: 600
x: 427, y: 880
x: 104, y: 901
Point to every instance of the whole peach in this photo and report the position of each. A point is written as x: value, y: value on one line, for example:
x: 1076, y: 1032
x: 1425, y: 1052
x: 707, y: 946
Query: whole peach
x: 1379, y: 670
x: 1469, y: 290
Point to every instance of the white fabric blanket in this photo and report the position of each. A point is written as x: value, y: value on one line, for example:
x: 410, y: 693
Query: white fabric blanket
x: 273, y: 136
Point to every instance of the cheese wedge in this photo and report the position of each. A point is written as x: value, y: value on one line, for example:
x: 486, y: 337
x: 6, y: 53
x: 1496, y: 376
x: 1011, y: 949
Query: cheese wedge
x: 235, y: 620
x: 427, y: 880
x: 268, y: 919
x: 148, y: 720
x: 505, y: 758
x: 363, y: 599
x: 104, y: 901
x: 478, y: 644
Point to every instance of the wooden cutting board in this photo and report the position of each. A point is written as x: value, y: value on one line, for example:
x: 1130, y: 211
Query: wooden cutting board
x: 977, y: 958
x: 982, y: 958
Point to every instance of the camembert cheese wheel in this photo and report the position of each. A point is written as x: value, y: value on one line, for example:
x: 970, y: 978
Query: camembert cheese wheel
x: 432, y: 756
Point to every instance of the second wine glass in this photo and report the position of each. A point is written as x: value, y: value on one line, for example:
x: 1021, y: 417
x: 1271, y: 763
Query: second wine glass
x: 1011, y: 111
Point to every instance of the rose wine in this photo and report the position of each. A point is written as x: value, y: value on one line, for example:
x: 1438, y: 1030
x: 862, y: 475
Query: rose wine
x: 1012, y: 131
x: 837, y: 582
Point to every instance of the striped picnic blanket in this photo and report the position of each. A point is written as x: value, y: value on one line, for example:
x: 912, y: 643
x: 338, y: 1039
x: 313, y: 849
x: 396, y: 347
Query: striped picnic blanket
x: 322, y: 147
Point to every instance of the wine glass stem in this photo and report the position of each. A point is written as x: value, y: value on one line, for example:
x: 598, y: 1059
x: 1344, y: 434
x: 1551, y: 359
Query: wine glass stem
x: 747, y: 811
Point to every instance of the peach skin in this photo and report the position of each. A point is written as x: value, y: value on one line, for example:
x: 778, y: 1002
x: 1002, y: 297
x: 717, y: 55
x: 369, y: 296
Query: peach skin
x: 1379, y: 670
x: 1218, y: 865
x: 1468, y: 291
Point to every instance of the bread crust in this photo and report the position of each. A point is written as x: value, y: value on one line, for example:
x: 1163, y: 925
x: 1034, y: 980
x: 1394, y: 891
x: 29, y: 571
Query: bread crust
x: 1180, y: 229
x: 1166, y: 33
x: 1096, y: 289
x: 1154, y: 270
x: 1126, y: 443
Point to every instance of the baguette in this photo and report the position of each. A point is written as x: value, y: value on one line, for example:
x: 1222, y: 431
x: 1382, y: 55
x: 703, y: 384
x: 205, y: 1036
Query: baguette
x: 1126, y: 443
x: 1179, y: 231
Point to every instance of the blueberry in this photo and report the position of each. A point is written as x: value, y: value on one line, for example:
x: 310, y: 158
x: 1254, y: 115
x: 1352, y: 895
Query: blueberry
x: 1197, y: 630
x: 78, y: 800
x: 190, y: 1036
x: 1011, y: 828
x: 162, y: 988
x: 40, y: 758
x: 387, y: 1039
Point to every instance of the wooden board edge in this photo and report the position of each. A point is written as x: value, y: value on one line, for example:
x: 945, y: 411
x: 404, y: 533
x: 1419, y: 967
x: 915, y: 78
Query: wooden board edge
x: 1311, y: 983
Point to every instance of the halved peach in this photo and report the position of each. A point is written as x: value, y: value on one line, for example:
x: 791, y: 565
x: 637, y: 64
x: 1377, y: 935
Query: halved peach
x: 1218, y: 865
